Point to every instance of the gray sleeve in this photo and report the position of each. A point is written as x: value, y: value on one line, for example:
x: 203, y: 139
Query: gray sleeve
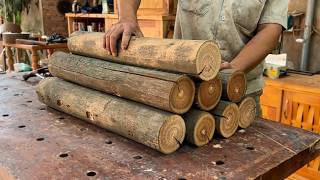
x: 275, y: 11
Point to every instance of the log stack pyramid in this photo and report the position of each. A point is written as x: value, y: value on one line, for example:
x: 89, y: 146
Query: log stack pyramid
x: 158, y: 92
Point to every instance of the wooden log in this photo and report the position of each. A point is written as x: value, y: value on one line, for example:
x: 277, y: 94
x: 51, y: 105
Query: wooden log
x: 200, y: 127
x: 208, y: 94
x: 157, y: 129
x: 199, y: 58
x: 167, y: 91
x: 227, y: 118
x: 248, y: 112
x: 234, y: 85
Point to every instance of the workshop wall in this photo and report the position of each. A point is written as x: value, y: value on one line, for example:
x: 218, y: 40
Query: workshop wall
x: 53, y: 21
x: 43, y: 17
x: 291, y: 47
x: 31, y: 21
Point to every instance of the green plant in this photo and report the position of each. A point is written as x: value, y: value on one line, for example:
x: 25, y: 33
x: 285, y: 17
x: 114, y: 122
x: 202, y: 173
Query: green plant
x: 11, y: 9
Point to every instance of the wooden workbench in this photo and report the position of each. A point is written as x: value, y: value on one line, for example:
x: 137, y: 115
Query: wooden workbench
x: 37, y: 142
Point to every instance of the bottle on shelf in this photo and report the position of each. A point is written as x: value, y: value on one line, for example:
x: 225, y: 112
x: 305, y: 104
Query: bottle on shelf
x: 105, y: 8
x: 75, y: 6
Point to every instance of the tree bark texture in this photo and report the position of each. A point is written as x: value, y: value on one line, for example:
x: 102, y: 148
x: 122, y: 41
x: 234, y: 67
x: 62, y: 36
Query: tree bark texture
x: 157, y: 129
x: 166, y: 91
x: 199, y: 58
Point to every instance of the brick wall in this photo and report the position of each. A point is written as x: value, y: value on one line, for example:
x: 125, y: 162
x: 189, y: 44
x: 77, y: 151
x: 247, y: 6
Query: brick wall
x: 53, y: 21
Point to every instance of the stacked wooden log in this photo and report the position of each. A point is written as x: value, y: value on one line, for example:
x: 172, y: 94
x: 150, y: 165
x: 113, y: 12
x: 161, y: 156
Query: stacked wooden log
x: 147, y: 93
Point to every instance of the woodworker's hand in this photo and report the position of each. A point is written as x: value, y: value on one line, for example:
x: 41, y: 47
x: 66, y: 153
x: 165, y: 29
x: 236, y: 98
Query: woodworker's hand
x: 228, y: 65
x: 123, y: 30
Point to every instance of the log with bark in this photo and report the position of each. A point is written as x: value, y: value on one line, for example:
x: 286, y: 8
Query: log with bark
x: 248, y: 112
x: 200, y: 127
x: 234, y: 85
x: 227, y: 117
x: 200, y: 58
x: 166, y: 91
x: 157, y: 129
x: 208, y: 94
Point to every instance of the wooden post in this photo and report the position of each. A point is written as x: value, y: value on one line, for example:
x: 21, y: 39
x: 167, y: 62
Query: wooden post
x: 35, y: 59
x: 208, y: 94
x: 196, y: 57
x: 167, y: 91
x: 248, y: 112
x: 227, y: 118
x: 50, y: 52
x: 157, y: 129
x: 200, y: 127
x: 234, y: 85
x: 9, y: 55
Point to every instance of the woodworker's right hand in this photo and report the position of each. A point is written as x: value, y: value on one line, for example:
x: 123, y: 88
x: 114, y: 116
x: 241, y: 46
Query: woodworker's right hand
x: 123, y: 30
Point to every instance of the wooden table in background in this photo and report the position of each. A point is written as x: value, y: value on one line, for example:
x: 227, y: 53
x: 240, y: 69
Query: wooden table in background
x: 33, y: 48
x: 40, y: 143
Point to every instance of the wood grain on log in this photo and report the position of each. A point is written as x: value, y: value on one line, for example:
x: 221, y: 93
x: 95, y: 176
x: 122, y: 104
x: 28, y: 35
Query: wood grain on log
x: 227, y: 118
x: 157, y: 129
x: 200, y: 127
x: 208, y: 94
x: 248, y: 112
x: 199, y: 58
x: 167, y: 91
x: 234, y: 85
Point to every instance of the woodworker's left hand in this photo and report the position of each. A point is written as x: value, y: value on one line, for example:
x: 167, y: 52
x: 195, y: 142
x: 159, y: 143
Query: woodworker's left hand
x: 227, y: 65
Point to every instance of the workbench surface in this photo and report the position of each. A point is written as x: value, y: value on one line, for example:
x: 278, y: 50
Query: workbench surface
x: 37, y: 142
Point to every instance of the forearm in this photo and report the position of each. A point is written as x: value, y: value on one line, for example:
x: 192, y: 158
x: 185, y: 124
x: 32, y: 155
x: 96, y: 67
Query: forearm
x: 128, y: 9
x: 258, y: 47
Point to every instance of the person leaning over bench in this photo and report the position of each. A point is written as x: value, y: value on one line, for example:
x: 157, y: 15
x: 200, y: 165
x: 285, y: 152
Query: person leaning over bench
x: 246, y: 31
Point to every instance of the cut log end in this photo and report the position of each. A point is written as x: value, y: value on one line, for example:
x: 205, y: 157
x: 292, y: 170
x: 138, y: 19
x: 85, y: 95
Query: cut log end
x: 208, y: 61
x: 200, y: 127
x: 182, y: 95
x: 228, y: 123
x: 248, y: 111
x: 209, y: 94
x: 171, y: 134
x: 237, y: 86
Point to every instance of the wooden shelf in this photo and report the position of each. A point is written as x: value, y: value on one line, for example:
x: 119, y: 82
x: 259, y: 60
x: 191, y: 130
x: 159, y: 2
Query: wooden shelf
x: 85, y: 15
x: 159, y: 26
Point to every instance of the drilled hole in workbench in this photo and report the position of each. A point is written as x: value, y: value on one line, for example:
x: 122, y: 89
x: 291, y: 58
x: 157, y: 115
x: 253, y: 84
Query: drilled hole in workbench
x: 91, y: 173
x: 22, y: 126
x: 219, y: 163
x: 29, y: 101
x: 5, y: 115
x: 61, y: 118
x: 250, y: 148
x: 137, y: 157
x: 63, y: 155
x: 59, y: 103
x: 40, y: 139
x: 108, y: 142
